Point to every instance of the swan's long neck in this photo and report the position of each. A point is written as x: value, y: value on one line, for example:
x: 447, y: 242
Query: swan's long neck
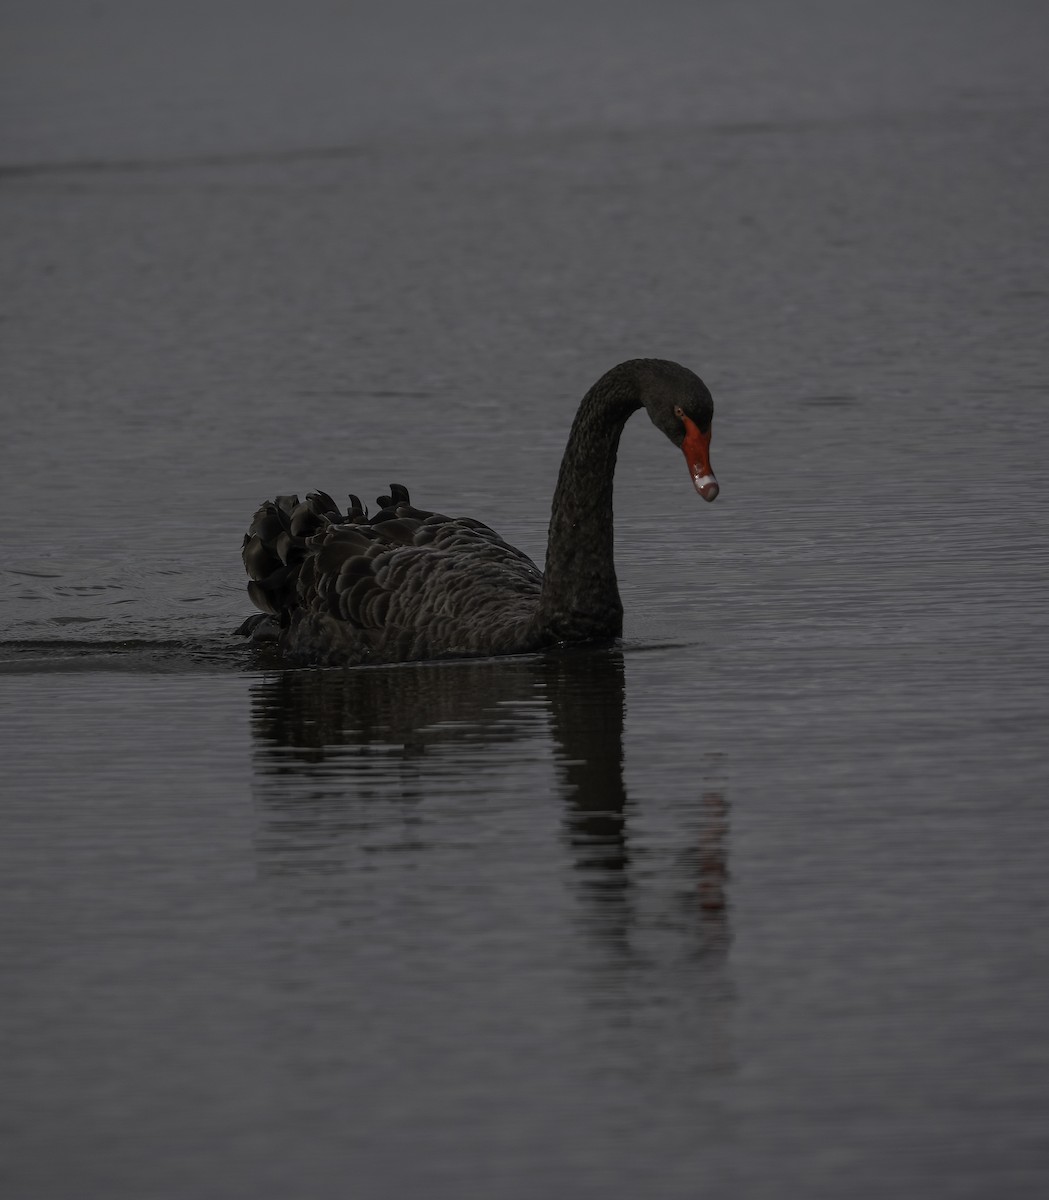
x: 580, y: 597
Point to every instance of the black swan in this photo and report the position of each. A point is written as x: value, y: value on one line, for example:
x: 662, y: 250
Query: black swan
x: 342, y: 589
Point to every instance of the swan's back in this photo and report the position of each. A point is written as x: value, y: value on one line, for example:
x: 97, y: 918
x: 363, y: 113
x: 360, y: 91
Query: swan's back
x: 402, y: 585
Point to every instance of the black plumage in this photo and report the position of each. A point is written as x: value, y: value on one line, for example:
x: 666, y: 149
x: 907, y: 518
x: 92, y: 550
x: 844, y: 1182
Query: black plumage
x: 344, y: 588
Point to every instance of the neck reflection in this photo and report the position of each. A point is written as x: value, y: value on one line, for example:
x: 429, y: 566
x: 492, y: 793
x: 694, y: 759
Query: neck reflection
x: 630, y: 884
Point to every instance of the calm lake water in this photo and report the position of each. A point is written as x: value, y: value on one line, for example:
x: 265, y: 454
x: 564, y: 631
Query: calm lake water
x: 753, y: 904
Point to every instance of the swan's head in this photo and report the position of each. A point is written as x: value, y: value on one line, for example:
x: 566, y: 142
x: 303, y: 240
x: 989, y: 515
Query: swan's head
x: 680, y: 404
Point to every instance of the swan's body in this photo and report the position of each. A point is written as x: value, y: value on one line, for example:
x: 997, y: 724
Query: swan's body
x: 408, y: 584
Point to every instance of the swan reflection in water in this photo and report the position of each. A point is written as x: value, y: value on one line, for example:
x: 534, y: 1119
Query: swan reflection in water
x: 403, y: 758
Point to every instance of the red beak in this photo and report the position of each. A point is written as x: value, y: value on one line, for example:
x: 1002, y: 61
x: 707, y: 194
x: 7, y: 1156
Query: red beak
x: 696, y: 447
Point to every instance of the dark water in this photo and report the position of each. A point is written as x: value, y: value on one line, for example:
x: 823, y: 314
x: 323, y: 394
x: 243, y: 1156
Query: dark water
x: 752, y: 905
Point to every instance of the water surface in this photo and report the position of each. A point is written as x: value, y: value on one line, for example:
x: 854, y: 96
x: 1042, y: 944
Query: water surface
x: 751, y: 904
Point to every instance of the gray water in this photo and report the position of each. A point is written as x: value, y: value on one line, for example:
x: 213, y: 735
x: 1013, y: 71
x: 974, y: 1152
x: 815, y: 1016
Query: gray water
x: 750, y: 905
